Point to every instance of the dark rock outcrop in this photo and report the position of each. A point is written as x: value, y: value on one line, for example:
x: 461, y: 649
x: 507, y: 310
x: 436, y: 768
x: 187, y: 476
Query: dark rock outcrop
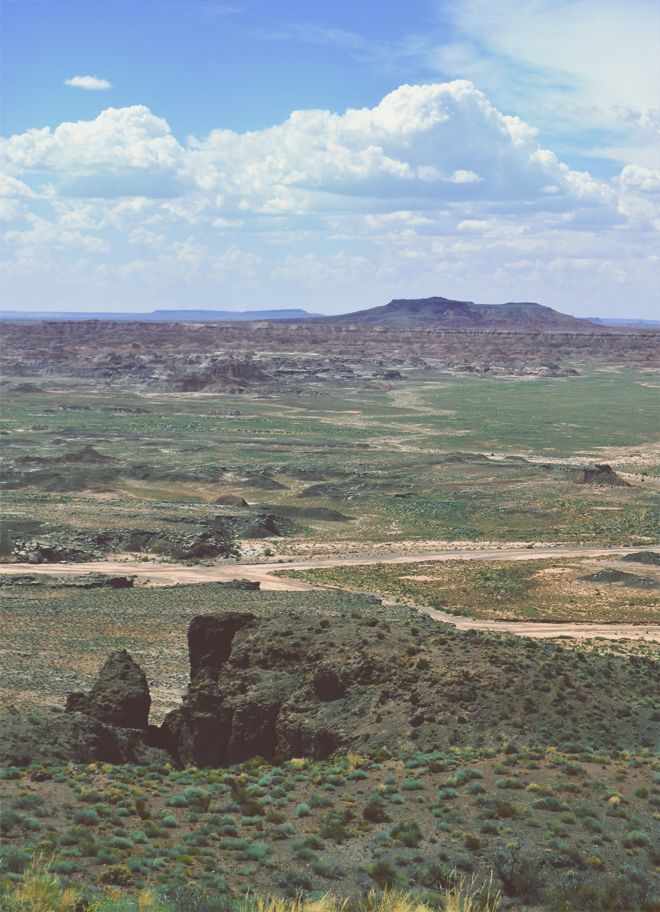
x: 261, y: 686
x: 210, y: 639
x: 243, y: 584
x: 601, y: 474
x: 610, y: 575
x: 53, y: 738
x: 119, y: 697
x: 231, y: 500
x: 643, y: 557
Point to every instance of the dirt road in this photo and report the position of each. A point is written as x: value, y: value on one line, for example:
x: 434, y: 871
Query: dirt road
x: 164, y: 574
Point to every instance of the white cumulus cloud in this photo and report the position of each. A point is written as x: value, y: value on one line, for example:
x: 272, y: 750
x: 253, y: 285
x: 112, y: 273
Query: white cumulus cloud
x: 431, y: 191
x: 92, y: 83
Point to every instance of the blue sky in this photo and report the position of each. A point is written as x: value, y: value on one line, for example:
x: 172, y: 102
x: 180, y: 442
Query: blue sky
x: 330, y: 154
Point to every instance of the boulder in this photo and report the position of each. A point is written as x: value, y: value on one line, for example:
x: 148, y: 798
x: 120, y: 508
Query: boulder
x: 119, y: 697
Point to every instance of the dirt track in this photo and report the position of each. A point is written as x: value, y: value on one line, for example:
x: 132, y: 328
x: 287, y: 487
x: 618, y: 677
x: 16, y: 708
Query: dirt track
x: 163, y: 574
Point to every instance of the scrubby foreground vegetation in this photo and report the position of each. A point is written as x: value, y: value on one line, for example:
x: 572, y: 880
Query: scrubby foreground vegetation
x: 542, y: 828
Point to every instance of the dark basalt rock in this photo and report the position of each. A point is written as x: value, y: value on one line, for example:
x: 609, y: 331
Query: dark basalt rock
x: 210, y: 639
x: 257, y: 688
x: 328, y: 685
x: 119, y: 697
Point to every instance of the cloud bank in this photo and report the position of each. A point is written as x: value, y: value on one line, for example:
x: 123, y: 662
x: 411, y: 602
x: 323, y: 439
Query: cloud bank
x: 432, y: 191
x: 88, y: 82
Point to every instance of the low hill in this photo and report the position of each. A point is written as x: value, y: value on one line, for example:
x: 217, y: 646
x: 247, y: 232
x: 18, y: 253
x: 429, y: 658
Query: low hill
x: 440, y: 312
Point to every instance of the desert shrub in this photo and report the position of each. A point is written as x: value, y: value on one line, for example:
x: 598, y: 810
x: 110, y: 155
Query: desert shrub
x: 284, y: 832
x: 106, y: 856
x: 294, y: 883
x: 327, y: 869
x: 255, y: 821
x: 446, y: 793
x: 14, y: 859
x: 336, y: 780
x: 628, y: 889
x: 472, y: 843
x: 86, y: 816
x: 435, y: 876
x: 520, y: 876
x: 32, y: 803
x: 407, y: 833
x: 489, y: 829
x: 384, y: 874
x: 375, y: 812
x: 550, y: 803
x: 585, y: 810
x: 506, y: 810
x: 8, y: 820
x: 189, y: 899
x: 335, y: 831
x: 412, y: 785
x: 357, y: 774
x: 10, y: 772
x: 117, y: 874
x: 196, y: 838
x: 641, y: 792
x: 273, y: 816
x: 301, y: 848
x: 319, y: 801
x: 253, y: 808
x: 461, y: 777
x: 169, y: 821
x: 509, y: 783
x: 475, y: 788
x: 302, y: 810
x: 258, y: 852
x: 233, y: 845
x: 635, y: 838
x: 572, y: 769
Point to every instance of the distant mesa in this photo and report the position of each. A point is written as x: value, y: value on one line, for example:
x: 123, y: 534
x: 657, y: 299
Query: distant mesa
x: 434, y: 313
x: 443, y: 313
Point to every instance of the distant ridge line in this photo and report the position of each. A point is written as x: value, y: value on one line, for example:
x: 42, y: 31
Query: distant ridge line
x: 158, y: 316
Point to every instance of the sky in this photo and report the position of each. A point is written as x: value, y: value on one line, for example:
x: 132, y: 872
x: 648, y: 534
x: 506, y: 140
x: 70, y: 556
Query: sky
x: 330, y: 155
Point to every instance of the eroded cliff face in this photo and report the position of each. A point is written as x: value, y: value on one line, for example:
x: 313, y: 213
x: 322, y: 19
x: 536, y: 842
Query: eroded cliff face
x: 191, y: 357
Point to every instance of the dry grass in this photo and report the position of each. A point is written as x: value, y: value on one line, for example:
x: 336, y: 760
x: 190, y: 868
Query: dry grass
x: 42, y: 891
x: 532, y: 590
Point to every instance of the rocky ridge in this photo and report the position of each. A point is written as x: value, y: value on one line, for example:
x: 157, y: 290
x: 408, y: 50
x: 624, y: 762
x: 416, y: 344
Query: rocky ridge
x: 315, y: 684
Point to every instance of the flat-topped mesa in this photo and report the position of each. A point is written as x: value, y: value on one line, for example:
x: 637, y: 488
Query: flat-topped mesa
x: 602, y: 474
x: 120, y: 695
